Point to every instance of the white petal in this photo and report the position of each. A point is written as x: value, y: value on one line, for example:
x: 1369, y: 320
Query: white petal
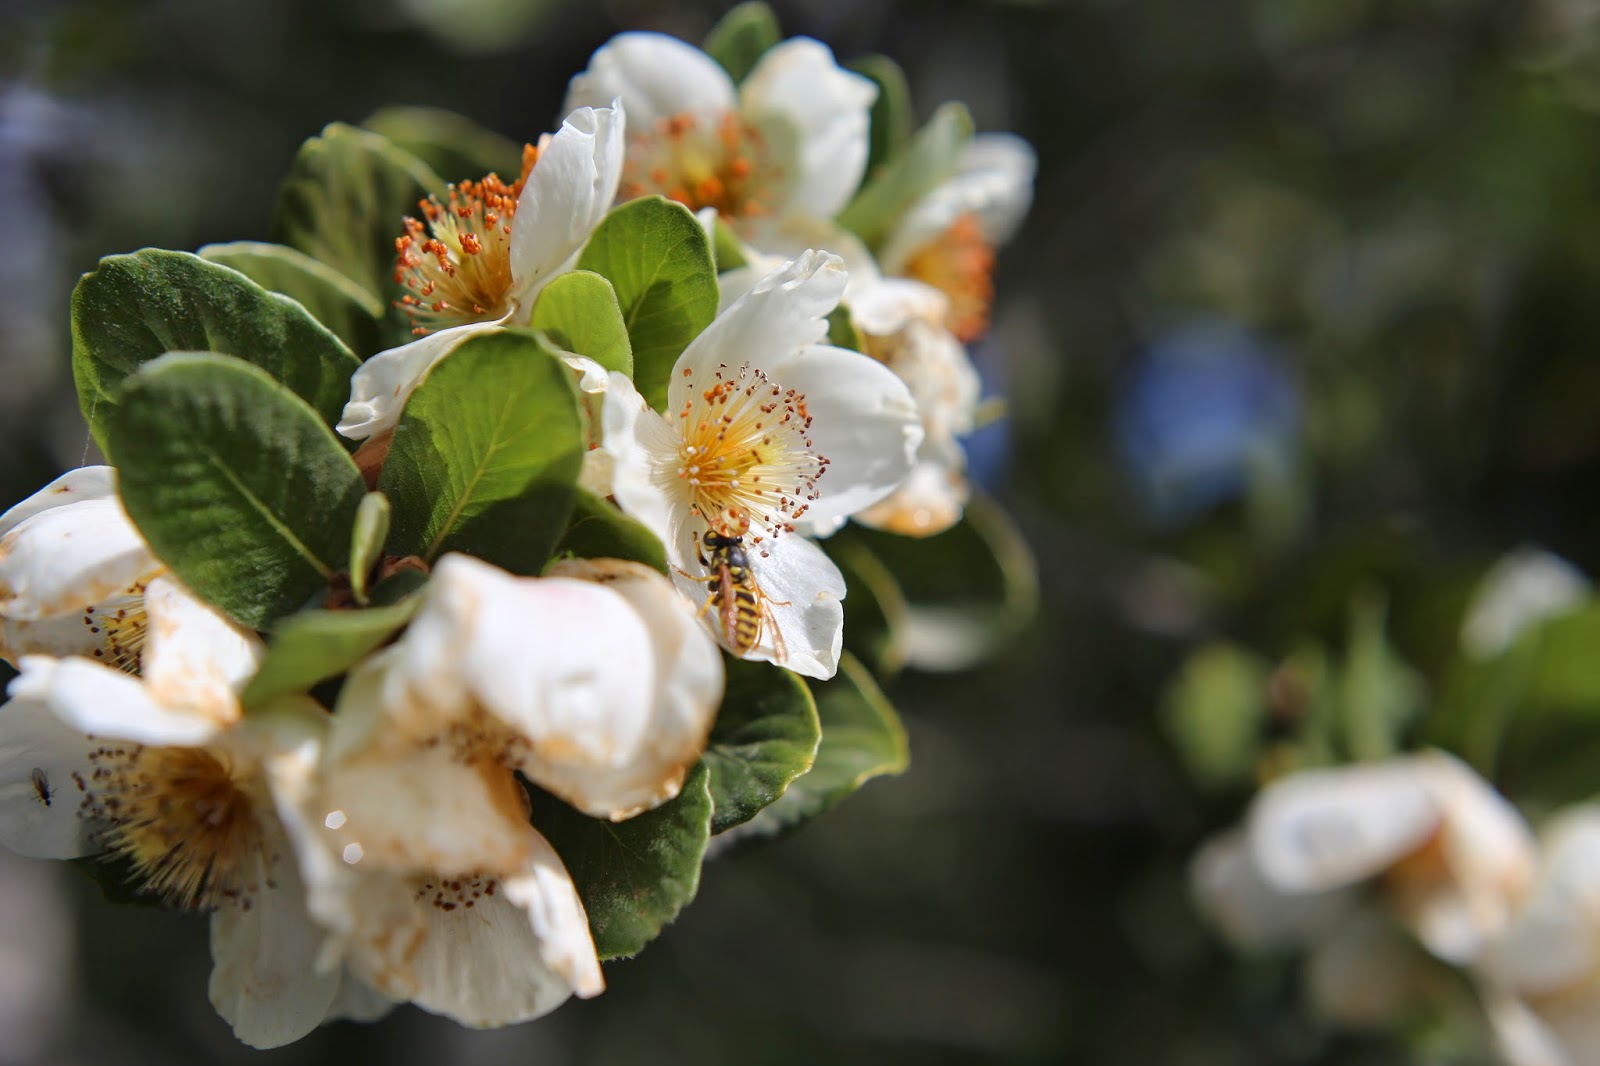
x: 60, y: 636
x: 513, y: 955
x: 889, y: 305
x: 644, y: 451
x: 37, y: 749
x: 1322, y: 829
x: 194, y: 657
x: 380, y: 386
x: 264, y: 980
x: 1554, y: 942
x: 932, y: 499
x: 773, y: 240
x: 75, y: 486
x: 827, y: 108
x: 63, y: 559
x: 1230, y: 890
x: 993, y: 182
x: 687, y: 693
x: 568, y: 192
x: 655, y: 77
x: 1524, y: 588
x: 804, y: 592
x: 864, y: 421
x: 358, y: 1001
x: 98, y: 700
x: 786, y: 311
x: 1522, y: 1039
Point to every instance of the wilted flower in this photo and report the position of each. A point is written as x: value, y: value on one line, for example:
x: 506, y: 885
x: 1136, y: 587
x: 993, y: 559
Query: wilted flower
x: 766, y: 434
x: 788, y: 144
x: 480, y: 261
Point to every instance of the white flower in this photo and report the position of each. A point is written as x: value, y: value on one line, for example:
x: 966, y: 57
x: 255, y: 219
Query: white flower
x: 767, y: 433
x: 1455, y: 858
x: 1524, y: 588
x: 789, y: 143
x: 480, y: 261
x: 947, y: 237
x: 157, y: 766
x: 1544, y: 973
x: 596, y: 682
x: 72, y: 572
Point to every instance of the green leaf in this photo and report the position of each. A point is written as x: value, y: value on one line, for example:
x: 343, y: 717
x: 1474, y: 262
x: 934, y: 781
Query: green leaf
x: 891, y: 111
x: 658, y: 260
x: 344, y: 199
x: 348, y: 310
x: 968, y: 590
x: 134, y: 308
x: 312, y: 646
x: 1379, y: 694
x: 928, y: 161
x: 451, y: 145
x: 367, y: 540
x: 842, y: 332
x: 486, y: 455
x: 238, y: 485
x: 727, y: 251
x: 599, y: 530
x: 1215, y: 712
x: 579, y: 312
x: 765, y: 736
x: 633, y: 876
x: 862, y: 738
x: 741, y: 37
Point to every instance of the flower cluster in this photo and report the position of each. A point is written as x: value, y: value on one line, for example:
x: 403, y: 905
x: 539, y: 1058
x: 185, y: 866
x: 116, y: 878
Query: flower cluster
x: 477, y: 529
x: 1385, y: 873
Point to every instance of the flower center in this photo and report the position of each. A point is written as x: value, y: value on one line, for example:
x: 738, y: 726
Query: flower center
x: 182, y: 819
x: 703, y: 161
x: 959, y: 263
x: 121, y: 625
x: 455, y: 262
x: 746, y: 453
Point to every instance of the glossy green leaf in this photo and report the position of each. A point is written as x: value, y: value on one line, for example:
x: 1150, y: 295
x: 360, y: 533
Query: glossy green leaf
x: 343, y: 201
x: 599, y: 530
x: 658, y: 260
x: 134, y: 308
x: 367, y: 540
x: 930, y: 158
x: 486, y: 455
x: 1215, y: 712
x: 312, y: 646
x: 842, y: 332
x: 892, y: 113
x: 741, y: 37
x: 727, y: 251
x: 579, y: 312
x: 351, y: 312
x: 236, y: 483
x: 633, y: 876
x: 967, y: 590
x: 451, y: 145
x: 765, y: 736
x: 862, y: 738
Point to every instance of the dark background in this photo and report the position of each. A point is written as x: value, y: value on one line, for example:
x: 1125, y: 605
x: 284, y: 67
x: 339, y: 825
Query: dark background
x: 1343, y: 249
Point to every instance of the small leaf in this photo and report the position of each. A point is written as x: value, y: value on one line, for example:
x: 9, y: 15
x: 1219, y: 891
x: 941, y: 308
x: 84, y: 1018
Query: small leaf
x: 765, y: 736
x: 132, y: 309
x: 238, y: 485
x: 1379, y: 694
x: 352, y: 313
x: 891, y: 111
x: 929, y: 160
x: 741, y: 37
x: 343, y: 201
x: 599, y: 530
x: 727, y: 251
x: 1215, y: 712
x: 968, y: 590
x: 862, y: 738
x: 842, y: 332
x: 633, y: 876
x: 312, y: 646
x: 578, y: 311
x: 451, y: 145
x: 658, y: 260
x: 486, y: 455
x: 366, y: 542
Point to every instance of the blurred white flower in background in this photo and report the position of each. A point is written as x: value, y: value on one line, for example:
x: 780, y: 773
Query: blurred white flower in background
x: 1525, y: 587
